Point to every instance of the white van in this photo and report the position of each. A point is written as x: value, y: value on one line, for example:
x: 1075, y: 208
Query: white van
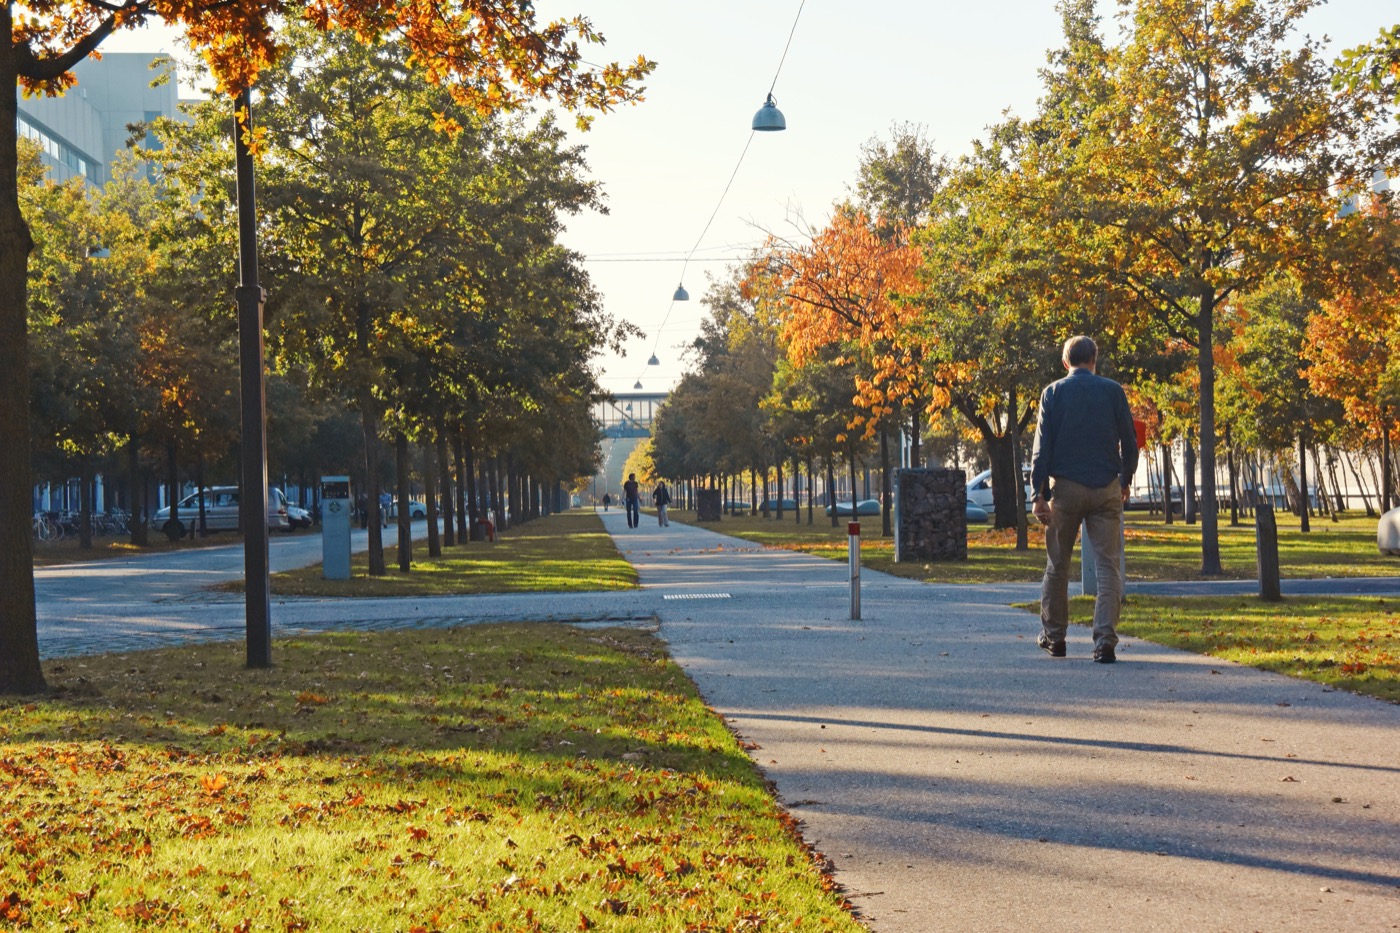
x: 221, y: 510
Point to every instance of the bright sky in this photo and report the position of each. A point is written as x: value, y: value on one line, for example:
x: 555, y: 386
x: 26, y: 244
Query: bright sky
x: 852, y: 73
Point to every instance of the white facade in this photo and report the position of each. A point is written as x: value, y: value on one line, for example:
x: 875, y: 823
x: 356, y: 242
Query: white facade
x: 81, y: 132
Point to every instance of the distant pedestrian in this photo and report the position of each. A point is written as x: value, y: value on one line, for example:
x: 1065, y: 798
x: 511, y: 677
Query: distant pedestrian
x: 1085, y: 455
x: 607, y: 500
x: 662, y: 497
x: 386, y: 502
x: 632, y: 493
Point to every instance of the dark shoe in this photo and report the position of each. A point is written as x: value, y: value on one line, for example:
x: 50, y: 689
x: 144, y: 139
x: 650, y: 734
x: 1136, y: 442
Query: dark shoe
x: 1104, y: 656
x: 1055, y: 648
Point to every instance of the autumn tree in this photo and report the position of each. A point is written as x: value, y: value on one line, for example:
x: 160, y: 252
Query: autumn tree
x: 1191, y: 161
x: 841, y: 287
x: 1352, y: 347
x: 986, y: 314
x: 491, y: 54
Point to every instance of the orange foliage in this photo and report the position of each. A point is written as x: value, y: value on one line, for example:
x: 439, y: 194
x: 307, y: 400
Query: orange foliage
x: 1353, y: 347
x: 491, y: 54
x: 843, y: 289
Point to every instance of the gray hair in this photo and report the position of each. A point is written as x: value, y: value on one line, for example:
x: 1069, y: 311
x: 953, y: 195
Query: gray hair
x: 1079, y: 351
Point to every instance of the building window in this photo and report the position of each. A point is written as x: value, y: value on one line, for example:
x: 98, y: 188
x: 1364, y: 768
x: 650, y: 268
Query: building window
x: 56, y: 149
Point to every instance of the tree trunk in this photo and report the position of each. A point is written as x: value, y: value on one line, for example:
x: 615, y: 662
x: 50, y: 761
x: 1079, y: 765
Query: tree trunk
x: 1324, y: 495
x: 203, y: 522
x: 1340, y: 502
x: 1361, y: 485
x: 1387, y: 490
x: 84, y: 502
x: 405, y: 520
x: 140, y: 536
x: 811, y: 487
x: 780, y: 490
x: 1305, y: 507
x: 496, y: 476
x: 449, y: 511
x: 1005, y: 477
x: 1234, y: 478
x: 20, y: 672
x: 851, y: 460
x: 369, y: 425
x: 831, y: 488
x: 475, y: 500
x: 464, y: 480
x: 914, y: 439
x: 1210, y: 515
x: 886, y: 493
x: 1167, y: 482
x: 430, y: 494
x: 1188, y: 497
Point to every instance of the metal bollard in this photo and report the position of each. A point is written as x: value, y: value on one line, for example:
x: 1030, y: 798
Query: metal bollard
x: 853, y: 529
x: 1089, y: 564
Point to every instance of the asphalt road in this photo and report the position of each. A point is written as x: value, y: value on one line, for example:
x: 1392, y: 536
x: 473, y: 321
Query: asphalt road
x: 962, y: 780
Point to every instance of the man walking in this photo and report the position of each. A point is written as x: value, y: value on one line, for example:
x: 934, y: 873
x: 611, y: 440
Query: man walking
x: 1082, y: 468
x: 632, y: 493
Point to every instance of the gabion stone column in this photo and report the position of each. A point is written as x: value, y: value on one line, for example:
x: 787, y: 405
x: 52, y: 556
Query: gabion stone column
x: 707, y: 505
x: 930, y: 514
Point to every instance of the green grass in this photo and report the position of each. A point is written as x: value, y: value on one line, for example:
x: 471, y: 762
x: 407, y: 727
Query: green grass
x: 568, y: 552
x: 1155, y: 551
x: 1348, y: 642
x: 520, y: 777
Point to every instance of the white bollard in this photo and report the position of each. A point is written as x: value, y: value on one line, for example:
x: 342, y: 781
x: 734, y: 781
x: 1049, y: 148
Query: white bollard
x: 853, y: 529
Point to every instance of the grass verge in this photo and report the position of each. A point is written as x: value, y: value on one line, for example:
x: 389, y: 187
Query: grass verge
x: 563, y: 553
x: 516, y: 777
x: 1348, y: 642
x: 1155, y: 551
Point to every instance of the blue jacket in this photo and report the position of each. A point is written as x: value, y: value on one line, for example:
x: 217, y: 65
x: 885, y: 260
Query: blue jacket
x: 1084, y: 433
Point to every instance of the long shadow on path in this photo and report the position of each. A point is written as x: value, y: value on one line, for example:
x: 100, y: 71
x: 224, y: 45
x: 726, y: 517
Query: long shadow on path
x: 962, y: 780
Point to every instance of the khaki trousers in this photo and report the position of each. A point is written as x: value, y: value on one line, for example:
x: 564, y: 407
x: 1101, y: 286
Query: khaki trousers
x: 1101, y: 513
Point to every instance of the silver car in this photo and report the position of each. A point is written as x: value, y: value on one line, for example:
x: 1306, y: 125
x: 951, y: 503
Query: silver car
x: 221, y: 510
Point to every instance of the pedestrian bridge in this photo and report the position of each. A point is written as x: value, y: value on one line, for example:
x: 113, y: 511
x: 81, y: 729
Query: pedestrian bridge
x: 628, y: 414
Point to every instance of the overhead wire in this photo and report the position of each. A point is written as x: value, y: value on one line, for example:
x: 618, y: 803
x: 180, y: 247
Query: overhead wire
x: 732, y: 175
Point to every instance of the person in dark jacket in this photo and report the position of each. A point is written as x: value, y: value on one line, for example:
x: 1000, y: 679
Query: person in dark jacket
x: 1081, y: 471
x: 632, y: 493
x: 662, y: 497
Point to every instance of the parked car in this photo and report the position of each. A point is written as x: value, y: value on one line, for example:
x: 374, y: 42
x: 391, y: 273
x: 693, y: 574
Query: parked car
x: 975, y: 513
x: 416, y: 509
x: 298, y: 517
x: 979, y: 490
x: 772, y: 504
x: 863, y: 507
x: 221, y: 510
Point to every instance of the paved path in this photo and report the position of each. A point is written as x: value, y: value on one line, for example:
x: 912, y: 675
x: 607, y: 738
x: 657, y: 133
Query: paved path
x: 156, y: 600
x: 962, y: 780
x: 959, y: 779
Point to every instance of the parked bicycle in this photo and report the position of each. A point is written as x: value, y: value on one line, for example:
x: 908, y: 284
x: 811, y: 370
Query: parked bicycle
x: 45, y: 529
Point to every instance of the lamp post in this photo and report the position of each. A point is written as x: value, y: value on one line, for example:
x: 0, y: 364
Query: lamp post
x: 252, y: 499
